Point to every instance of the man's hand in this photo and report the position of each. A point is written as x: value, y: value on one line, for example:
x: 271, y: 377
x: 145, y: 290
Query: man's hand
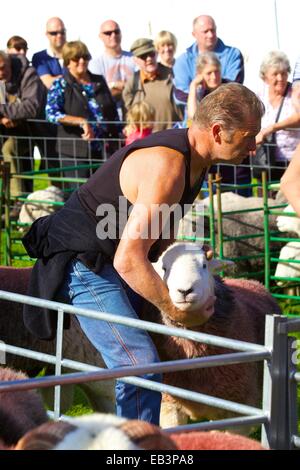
x: 116, y: 87
x: 88, y: 132
x: 263, y: 134
x: 8, y: 123
x: 198, y: 81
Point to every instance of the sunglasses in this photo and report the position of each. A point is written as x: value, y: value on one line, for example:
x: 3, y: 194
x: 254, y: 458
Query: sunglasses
x: 148, y: 54
x: 85, y: 57
x: 109, y: 33
x: 55, y: 33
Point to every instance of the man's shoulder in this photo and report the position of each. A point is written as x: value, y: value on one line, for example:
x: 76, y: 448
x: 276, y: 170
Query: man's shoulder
x: 126, y: 54
x: 42, y: 58
x: 40, y: 55
x: 224, y: 49
x: 187, y: 58
x: 190, y: 52
x: 164, y: 71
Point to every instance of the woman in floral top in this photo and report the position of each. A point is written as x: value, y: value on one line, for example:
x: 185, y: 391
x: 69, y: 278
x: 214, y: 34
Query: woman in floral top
x: 81, y: 104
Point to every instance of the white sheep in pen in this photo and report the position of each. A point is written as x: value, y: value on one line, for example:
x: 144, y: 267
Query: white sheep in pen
x: 290, y: 251
x: 246, y: 223
x: 31, y: 211
x: 232, y: 308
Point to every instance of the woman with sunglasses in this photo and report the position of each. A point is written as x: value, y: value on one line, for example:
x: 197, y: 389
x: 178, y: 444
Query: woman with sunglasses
x: 81, y: 103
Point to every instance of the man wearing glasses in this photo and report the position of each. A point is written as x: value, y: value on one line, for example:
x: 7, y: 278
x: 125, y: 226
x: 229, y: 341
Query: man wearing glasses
x: 153, y: 83
x: 48, y: 63
x: 114, y: 64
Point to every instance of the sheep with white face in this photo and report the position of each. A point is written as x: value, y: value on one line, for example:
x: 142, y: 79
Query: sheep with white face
x: 188, y: 272
x: 231, y: 308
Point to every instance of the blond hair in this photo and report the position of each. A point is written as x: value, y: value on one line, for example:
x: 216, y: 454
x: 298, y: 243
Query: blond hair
x: 139, y: 117
x: 165, y: 37
x: 72, y: 50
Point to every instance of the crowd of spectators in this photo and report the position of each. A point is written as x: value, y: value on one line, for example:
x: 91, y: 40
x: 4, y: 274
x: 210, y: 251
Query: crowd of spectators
x: 77, y: 109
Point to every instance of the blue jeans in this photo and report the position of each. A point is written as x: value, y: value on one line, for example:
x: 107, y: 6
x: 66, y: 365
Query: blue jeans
x: 119, y: 345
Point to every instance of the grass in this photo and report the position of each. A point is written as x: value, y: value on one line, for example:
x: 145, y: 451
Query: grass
x: 81, y: 405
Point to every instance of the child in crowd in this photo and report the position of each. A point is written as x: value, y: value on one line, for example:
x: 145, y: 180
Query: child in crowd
x: 140, y: 121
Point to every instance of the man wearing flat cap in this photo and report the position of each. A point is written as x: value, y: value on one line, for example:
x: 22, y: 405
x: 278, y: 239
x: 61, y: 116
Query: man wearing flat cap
x: 152, y: 83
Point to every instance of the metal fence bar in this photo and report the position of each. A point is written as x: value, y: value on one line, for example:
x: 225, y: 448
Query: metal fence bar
x: 141, y: 324
x: 266, y: 231
x: 83, y: 377
x: 220, y: 424
x: 291, y: 326
x: 180, y: 364
x: 275, y: 400
x: 276, y: 327
x: 58, y: 355
x: 292, y: 392
x: 211, y: 214
x: 183, y: 364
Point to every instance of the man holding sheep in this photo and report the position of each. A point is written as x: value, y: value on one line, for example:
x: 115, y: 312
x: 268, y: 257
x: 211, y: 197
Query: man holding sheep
x: 114, y: 273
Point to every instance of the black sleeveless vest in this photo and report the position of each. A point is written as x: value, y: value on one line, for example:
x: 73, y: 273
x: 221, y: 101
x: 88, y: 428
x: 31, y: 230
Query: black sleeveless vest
x: 71, y: 232
x: 104, y: 186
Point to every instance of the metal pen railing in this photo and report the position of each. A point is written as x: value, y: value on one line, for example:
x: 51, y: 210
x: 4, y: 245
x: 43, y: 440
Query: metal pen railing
x: 274, y: 354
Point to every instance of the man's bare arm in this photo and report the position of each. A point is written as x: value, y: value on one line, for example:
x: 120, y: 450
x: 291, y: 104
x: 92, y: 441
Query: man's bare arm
x: 291, y: 122
x: 48, y: 79
x: 164, y: 186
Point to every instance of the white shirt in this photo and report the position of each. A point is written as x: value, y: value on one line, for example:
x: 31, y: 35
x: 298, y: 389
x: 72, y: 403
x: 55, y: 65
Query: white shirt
x: 286, y: 140
x: 113, y: 68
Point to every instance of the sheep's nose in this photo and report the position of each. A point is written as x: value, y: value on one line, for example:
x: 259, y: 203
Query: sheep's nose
x: 185, y: 292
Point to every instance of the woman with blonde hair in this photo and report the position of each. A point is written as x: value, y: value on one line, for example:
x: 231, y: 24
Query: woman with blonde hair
x: 140, y: 120
x: 166, y: 43
x: 208, y: 78
x: 81, y: 104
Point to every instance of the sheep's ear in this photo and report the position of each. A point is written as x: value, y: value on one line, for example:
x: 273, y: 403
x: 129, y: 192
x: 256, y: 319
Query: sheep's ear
x: 158, y: 267
x: 216, y: 265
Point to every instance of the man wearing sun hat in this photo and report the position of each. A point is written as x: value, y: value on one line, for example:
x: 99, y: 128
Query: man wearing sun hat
x: 152, y: 83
